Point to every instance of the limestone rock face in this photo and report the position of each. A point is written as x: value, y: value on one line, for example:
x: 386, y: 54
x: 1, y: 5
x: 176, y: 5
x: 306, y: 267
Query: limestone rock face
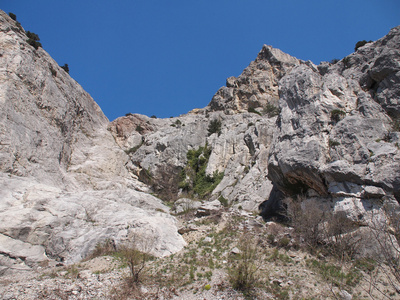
x: 65, y: 186
x: 71, y: 179
x: 239, y: 150
x: 338, y: 126
x: 257, y: 85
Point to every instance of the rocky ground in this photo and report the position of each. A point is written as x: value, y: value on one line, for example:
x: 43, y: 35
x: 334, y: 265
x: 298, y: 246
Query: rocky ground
x: 205, y: 267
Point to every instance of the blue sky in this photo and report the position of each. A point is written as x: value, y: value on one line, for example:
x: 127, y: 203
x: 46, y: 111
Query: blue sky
x: 164, y: 58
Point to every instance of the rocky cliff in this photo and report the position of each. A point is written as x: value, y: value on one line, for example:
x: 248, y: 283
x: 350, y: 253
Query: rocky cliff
x: 65, y: 186
x: 283, y: 128
x: 334, y: 136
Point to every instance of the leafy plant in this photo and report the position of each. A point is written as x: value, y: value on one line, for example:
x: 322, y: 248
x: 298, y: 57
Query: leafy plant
x: 193, y: 176
x: 223, y: 201
x: 12, y: 16
x: 333, y: 143
x: 134, y: 149
x: 271, y: 110
x: 337, y: 115
x: 242, y: 271
x: 360, y: 44
x: 253, y: 110
x: 346, y: 61
x: 214, y: 127
x: 65, y: 68
x: 33, y: 40
x: 139, y: 128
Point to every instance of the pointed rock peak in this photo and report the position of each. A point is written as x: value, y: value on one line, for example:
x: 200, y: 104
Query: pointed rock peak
x: 275, y: 56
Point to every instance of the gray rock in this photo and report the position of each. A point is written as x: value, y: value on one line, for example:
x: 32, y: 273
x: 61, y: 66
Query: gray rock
x: 345, y: 295
x: 209, y: 208
x: 65, y: 186
x: 235, y: 251
x: 185, y: 205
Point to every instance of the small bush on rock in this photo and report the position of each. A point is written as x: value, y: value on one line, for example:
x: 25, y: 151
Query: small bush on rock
x: 271, y: 110
x: 214, y: 127
x: 33, y: 40
x: 65, y: 68
x: 360, y: 44
x: 337, y: 115
x: 12, y: 16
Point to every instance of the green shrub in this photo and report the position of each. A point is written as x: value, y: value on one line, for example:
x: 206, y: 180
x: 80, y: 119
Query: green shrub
x: 284, y: 242
x: 214, y: 127
x: 12, y: 16
x: 133, y: 149
x: 271, y: 110
x: 242, y: 269
x: 333, y: 143
x: 139, y: 128
x: 33, y: 40
x: 193, y: 177
x: 252, y: 110
x: 223, y: 201
x: 360, y: 44
x: 346, y: 61
x: 65, y: 68
x: 337, y: 115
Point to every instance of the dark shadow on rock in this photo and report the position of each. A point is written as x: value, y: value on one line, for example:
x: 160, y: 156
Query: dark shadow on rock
x: 273, y: 206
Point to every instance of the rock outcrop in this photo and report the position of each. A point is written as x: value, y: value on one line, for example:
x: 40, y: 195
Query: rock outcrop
x: 283, y: 128
x: 65, y: 186
x: 336, y: 130
x: 337, y: 133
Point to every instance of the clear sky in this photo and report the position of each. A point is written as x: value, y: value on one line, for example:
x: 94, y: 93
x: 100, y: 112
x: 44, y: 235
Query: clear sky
x: 164, y: 58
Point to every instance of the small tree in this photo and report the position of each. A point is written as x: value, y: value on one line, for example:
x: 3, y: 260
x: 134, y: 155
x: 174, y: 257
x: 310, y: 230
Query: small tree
x: 360, y: 44
x: 271, y: 110
x: 12, y: 16
x: 65, y: 68
x: 33, y: 40
x: 136, y: 254
x: 214, y: 127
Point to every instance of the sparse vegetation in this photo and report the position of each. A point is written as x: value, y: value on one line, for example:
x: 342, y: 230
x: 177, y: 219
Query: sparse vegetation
x: 139, y: 129
x: 134, y: 149
x: 360, y: 44
x: 253, y: 110
x: 65, y: 68
x: 333, y: 143
x: 271, y: 110
x: 337, y: 115
x: 194, y: 178
x: 243, y: 266
x: 346, y: 61
x: 12, y: 16
x: 214, y: 127
x: 33, y: 40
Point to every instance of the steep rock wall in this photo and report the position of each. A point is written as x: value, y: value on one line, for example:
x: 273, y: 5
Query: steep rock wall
x: 65, y: 186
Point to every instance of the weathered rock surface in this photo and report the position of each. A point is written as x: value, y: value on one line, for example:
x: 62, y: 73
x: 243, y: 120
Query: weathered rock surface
x: 337, y: 128
x: 71, y: 179
x: 65, y: 186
